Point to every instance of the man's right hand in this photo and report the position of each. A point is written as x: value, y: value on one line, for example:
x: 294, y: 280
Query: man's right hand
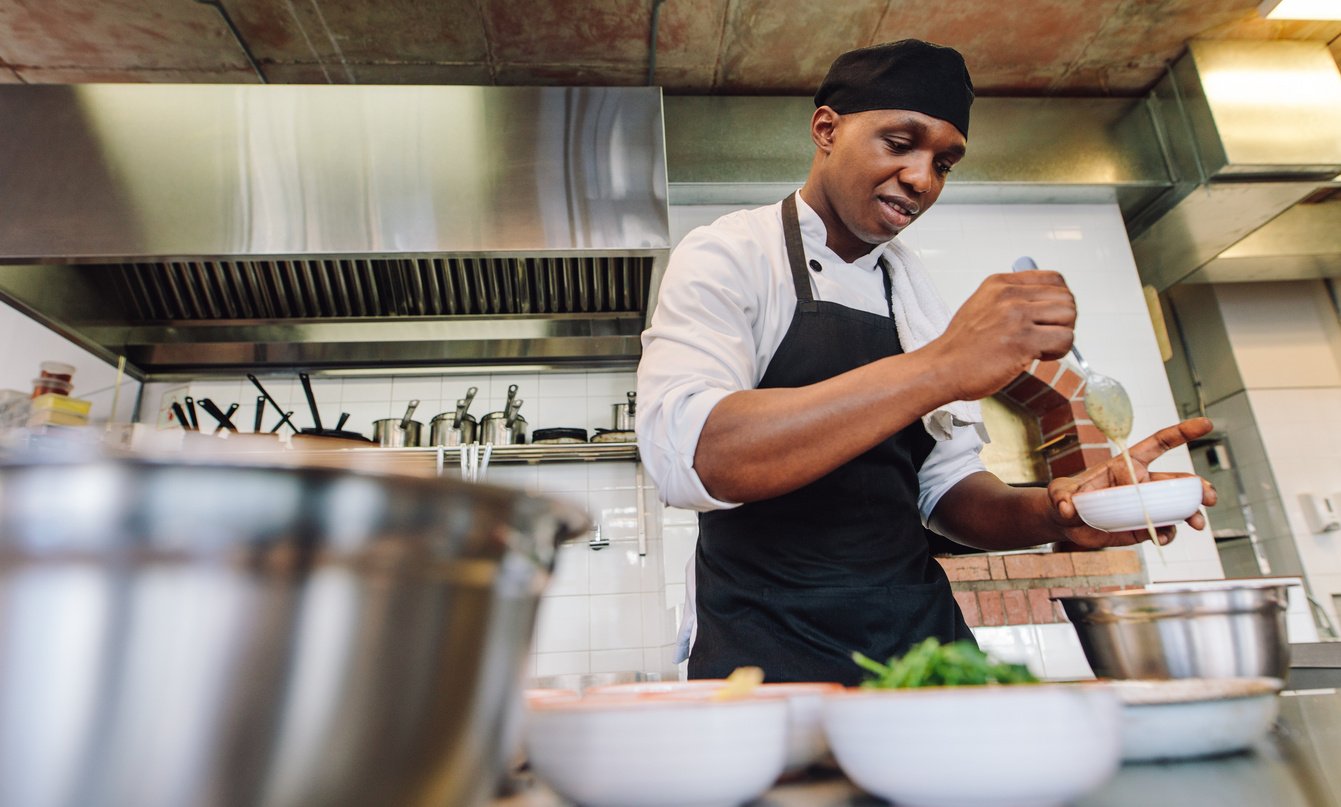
x: 997, y: 333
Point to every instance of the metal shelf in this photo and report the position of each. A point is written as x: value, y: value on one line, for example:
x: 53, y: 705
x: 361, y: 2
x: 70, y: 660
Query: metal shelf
x: 423, y: 459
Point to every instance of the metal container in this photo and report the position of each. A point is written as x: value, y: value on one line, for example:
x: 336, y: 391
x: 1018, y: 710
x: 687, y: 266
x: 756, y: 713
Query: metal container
x: 625, y: 414
x: 623, y: 421
x: 496, y: 429
x: 1234, y: 631
x: 401, y: 432
x: 441, y: 432
x: 184, y: 635
x: 389, y: 433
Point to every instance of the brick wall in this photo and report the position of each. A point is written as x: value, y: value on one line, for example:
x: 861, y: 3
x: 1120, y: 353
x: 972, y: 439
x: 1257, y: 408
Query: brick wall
x: 1016, y: 589
x: 1054, y: 393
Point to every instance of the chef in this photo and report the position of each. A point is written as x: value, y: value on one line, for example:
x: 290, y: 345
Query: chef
x: 805, y: 389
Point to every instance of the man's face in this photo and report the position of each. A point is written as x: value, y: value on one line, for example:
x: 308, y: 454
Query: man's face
x: 886, y: 167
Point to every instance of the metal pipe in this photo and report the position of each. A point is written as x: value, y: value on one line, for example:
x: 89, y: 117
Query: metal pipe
x: 1197, y: 385
x: 652, y: 46
x: 237, y: 36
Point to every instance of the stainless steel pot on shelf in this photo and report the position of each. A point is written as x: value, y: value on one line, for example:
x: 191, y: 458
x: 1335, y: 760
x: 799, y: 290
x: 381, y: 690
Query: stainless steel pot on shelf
x: 499, y: 430
x: 505, y: 428
x: 401, y: 432
x: 202, y: 634
x: 624, y: 415
x: 456, y: 428
x: 441, y: 432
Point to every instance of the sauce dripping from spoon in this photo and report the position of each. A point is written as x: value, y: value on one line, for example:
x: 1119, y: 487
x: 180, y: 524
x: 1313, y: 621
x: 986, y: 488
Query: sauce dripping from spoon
x: 1109, y: 408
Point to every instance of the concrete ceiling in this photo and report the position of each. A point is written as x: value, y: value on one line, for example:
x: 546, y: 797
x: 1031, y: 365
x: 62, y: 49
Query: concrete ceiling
x: 1015, y: 47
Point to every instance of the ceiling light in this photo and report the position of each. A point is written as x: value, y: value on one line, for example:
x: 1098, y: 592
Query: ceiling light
x: 1300, y: 9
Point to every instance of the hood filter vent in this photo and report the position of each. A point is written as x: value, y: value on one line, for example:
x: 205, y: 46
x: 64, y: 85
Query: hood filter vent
x: 400, y: 287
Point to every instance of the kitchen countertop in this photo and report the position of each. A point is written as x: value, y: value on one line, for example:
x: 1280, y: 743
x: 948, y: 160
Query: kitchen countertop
x: 1295, y: 766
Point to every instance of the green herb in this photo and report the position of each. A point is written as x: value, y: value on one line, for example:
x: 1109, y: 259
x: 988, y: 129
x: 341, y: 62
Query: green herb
x: 932, y: 664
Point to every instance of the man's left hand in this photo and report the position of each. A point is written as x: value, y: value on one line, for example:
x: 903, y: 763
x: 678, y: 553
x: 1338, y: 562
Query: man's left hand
x: 1114, y: 472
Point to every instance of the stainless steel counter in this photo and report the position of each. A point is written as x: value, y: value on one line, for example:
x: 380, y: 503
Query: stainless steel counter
x: 1295, y: 766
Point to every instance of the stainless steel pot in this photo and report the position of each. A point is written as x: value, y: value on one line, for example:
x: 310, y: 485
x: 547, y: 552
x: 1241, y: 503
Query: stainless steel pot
x: 181, y: 635
x: 441, y: 432
x: 625, y: 414
x: 1234, y: 631
x: 507, y: 427
x: 401, y: 432
x: 495, y: 428
x: 454, y: 428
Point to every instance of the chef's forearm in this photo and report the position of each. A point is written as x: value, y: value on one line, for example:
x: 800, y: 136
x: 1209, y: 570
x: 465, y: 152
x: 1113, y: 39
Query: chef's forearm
x: 985, y: 513
x: 757, y: 444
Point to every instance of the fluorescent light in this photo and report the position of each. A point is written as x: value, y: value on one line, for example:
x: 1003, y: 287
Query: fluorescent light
x: 1300, y: 9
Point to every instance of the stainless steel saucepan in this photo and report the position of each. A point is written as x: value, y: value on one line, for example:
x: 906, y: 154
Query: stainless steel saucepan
x: 625, y: 413
x: 456, y: 428
x: 507, y: 427
x: 189, y: 635
x: 401, y: 432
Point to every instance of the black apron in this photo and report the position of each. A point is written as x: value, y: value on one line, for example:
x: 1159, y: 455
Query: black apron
x: 796, y: 583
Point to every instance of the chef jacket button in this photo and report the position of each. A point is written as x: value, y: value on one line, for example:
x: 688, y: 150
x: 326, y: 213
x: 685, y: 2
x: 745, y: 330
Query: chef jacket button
x: 814, y: 264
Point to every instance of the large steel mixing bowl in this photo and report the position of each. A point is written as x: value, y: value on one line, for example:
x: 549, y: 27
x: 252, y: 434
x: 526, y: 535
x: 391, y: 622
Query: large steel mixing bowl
x: 1225, y: 632
x: 180, y: 634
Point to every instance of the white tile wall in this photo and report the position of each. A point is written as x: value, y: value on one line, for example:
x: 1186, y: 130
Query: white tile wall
x: 1303, y: 438
x: 603, y: 611
x: 1286, y: 344
x: 28, y: 343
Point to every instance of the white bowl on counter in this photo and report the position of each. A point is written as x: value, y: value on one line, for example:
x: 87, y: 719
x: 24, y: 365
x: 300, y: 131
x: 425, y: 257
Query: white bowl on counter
x: 806, y: 743
x: 657, y: 752
x: 1186, y: 718
x: 1118, y: 509
x: 1022, y: 745
x: 640, y: 689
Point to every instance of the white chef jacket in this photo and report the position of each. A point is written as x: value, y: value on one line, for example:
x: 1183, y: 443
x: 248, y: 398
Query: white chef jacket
x: 724, y: 305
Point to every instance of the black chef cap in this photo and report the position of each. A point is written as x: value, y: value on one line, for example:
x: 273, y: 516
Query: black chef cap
x: 908, y: 74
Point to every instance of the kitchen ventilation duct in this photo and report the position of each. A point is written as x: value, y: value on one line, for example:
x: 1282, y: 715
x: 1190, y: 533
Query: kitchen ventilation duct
x: 206, y: 227
x: 1250, y: 129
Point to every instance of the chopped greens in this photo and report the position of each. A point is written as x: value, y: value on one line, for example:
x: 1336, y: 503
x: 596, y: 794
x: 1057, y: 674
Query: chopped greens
x: 932, y: 664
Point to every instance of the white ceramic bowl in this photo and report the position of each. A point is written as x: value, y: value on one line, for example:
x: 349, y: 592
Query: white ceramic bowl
x: 656, y: 688
x: 657, y: 752
x: 1118, y: 509
x: 540, y: 695
x: 1186, y: 718
x: 806, y: 744
x: 1024, y: 745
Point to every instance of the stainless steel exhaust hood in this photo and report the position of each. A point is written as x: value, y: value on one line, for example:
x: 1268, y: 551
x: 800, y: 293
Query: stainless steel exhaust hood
x: 1249, y: 129
x: 217, y: 227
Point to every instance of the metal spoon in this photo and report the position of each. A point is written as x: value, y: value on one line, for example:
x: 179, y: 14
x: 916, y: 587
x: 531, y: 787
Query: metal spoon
x: 1106, y: 401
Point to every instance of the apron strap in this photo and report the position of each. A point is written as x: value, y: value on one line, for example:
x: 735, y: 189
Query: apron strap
x: 796, y: 252
x: 796, y: 256
x: 889, y: 284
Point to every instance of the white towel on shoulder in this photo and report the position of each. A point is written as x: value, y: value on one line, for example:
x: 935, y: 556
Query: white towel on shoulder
x: 920, y: 316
